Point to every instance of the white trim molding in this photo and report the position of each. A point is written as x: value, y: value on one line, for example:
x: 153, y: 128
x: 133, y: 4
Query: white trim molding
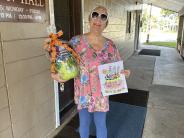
x: 56, y: 92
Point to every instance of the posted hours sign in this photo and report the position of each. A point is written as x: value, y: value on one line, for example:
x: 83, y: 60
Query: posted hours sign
x: 22, y: 11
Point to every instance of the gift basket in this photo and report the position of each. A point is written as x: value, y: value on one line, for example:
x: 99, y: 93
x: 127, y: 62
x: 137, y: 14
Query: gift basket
x: 64, y: 60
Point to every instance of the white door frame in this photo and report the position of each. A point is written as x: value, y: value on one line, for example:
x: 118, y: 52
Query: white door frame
x: 56, y: 92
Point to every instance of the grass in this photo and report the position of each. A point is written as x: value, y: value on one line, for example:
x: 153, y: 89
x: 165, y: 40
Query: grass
x: 166, y: 44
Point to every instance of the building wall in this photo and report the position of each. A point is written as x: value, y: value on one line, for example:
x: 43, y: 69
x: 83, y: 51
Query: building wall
x: 29, y: 90
x: 5, y: 125
x: 180, y: 37
x: 116, y: 29
x: 181, y: 19
x: 181, y: 12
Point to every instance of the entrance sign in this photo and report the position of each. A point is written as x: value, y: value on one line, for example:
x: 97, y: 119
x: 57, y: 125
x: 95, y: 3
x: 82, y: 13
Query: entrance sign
x: 22, y: 11
x: 112, y: 79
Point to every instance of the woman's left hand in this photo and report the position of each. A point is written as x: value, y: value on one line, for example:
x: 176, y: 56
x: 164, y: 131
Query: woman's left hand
x: 126, y: 73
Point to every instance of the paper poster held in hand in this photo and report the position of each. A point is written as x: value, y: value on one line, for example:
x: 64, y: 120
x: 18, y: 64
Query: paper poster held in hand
x: 111, y: 79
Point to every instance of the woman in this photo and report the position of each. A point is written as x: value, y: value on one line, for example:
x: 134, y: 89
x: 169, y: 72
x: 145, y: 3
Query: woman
x: 94, y: 50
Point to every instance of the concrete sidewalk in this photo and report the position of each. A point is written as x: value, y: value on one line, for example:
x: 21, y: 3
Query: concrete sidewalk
x: 163, y: 77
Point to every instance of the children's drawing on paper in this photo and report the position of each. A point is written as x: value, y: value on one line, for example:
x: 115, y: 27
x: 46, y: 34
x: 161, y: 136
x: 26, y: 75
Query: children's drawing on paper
x: 111, y: 78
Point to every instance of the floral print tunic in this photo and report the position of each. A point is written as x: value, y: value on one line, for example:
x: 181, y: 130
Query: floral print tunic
x: 87, y: 85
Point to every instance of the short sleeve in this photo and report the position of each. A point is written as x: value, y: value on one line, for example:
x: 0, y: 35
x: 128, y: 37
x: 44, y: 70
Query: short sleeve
x: 74, y: 41
x: 116, y: 52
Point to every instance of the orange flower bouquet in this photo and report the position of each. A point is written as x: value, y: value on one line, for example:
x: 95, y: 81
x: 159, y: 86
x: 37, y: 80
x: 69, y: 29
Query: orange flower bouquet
x: 64, y: 60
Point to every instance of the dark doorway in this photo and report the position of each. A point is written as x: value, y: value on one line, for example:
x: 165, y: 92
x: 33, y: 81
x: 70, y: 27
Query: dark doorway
x: 68, y: 18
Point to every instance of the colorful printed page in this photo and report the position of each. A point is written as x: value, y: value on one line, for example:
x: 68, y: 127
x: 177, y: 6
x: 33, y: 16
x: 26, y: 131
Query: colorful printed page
x: 111, y: 78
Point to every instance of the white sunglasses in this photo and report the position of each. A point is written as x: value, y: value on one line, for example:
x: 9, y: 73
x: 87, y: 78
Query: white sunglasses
x: 102, y: 16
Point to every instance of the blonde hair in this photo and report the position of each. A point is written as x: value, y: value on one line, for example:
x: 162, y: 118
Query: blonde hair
x: 100, y: 7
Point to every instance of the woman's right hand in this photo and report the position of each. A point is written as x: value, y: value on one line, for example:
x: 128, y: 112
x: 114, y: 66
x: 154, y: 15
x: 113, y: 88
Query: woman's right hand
x: 56, y: 77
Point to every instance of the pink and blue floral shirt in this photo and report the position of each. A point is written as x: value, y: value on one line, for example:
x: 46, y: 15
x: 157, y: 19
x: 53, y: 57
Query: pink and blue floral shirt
x: 87, y: 91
